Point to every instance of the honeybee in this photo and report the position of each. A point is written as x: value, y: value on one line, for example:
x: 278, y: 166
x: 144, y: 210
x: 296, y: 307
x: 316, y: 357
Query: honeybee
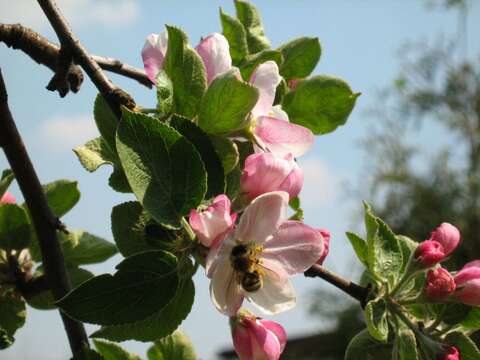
x: 245, y: 264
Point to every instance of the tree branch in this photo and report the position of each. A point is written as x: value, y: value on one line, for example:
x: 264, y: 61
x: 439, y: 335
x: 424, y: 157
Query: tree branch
x: 357, y: 292
x: 115, y: 96
x: 44, y: 52
x: 43, y: 218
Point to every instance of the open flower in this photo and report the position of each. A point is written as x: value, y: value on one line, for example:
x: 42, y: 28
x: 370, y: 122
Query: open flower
x: 467, y: 281
x: 257, y: 339
x: 256, y: 260
x: 7, y: 198
x: 439, y: 284
x: 214, y: 51
x: 266, y: 172
x: 212, y: 222
x: 270, y: 126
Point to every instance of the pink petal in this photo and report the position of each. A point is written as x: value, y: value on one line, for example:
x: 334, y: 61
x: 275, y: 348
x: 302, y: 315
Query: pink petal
x: 281, y: 137
x: 219, y: 252
x: 242, y: 342
x: 276, y: 294
x: 295, y: 247
x: 262, y: 217
x: 224, y: 289
x: 277, y: 329
x: 7, y: 198
x: 265, y: 344
x: 447, y: 235
x: 153, y: 54
x: 474, y: 263
x: 266, y: 172
x: 215, y: 53
x: 467, y: 274
x: 278, y: 113
x: 266, y: 78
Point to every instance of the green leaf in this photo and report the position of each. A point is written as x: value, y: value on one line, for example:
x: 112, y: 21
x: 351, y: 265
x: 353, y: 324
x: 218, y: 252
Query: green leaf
x: 280, y: 92
x: 385, y: 258
x: 62, y: 196
x: 164, y: 169
x: 252, y: 61
x: 249, y: 16
x: 12, y: 312
x: 89, y: 354
x: 6, y: 180
x: 227, y: 151
x: 405, y: 346
x: 464, y: 344
x: 15, y: 233
x: 45, y: 300
x: 5, y: 339
x: 144, y: 282
x: 164, y: 94
x: 201, y: 141
x: 364, y: 347
x: 376, y: 317
x: 300, y: 56
x: 472, y: 320
x: 80, y: 248
x: 176, y: 346
x: 236, y: 35
x: 388, y: 254
x: 111, y: 351
x: 321, y: 103
x: 186, y: 71
x: 94, y: 154
x: 106, y: 121
x: 226, y: 104
x: 233, y: 183
x: 118, y: 180
x: 158, y: 325
x: 359, y: 246
x: 129, y: 222
x: 408, y: 246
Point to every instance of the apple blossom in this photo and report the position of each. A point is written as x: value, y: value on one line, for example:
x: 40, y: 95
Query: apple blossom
x: 439, y: 284
x: 7, y: 198
x: 447, y: 235
x: 326, y: 245
x: 212, y: 222
x: 153, y: 54
x: 429, y: 253
x: 257, y: 339
x: 266, y: 172
x: 214, y: 51
x: 270, y: 126
x: 256, y: 259
x: 467, y: 282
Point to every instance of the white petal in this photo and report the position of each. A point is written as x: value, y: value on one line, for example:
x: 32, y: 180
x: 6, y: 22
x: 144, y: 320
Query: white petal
x: 262, y: 218
x: 278, y: 113
x: 266, y: 78
x: 276, y: 294
x: 215, y: 53
x: 225, y: 290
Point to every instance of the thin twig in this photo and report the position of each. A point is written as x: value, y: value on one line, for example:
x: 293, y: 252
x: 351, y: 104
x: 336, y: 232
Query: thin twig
x: 43, y: 219
x: 44, y: 52
x: 356, y: 291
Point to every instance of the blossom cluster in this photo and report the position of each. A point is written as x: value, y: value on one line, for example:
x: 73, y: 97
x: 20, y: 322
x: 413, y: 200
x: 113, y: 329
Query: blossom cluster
x: 253, y: 251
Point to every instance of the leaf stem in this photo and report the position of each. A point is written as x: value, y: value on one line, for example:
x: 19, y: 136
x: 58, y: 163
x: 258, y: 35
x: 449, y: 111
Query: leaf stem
x: 188, y: 229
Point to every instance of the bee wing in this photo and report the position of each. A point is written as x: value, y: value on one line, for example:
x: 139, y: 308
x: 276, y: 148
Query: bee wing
x: 225, y: 290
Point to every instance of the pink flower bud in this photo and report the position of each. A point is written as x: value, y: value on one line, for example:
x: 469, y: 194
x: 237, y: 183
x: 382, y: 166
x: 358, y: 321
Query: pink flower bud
x: 257, y: 339
x: 7, y: 198
x: 450, y: 353
x: 439, y: 285
x: 212, y: 222
x: 429, y: 253
x: 467, y: 281
x: 266, y: 172
x: 326, y: 245
x: 447, y: 235
x: 292, y: 84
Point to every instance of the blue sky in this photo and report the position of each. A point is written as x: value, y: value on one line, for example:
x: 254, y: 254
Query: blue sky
x: 360, y: 42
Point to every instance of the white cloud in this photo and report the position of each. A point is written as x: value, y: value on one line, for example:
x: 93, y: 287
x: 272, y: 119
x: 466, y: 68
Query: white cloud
x: 110, y: 13
x: 67, y: 132
x: 320, y: 184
